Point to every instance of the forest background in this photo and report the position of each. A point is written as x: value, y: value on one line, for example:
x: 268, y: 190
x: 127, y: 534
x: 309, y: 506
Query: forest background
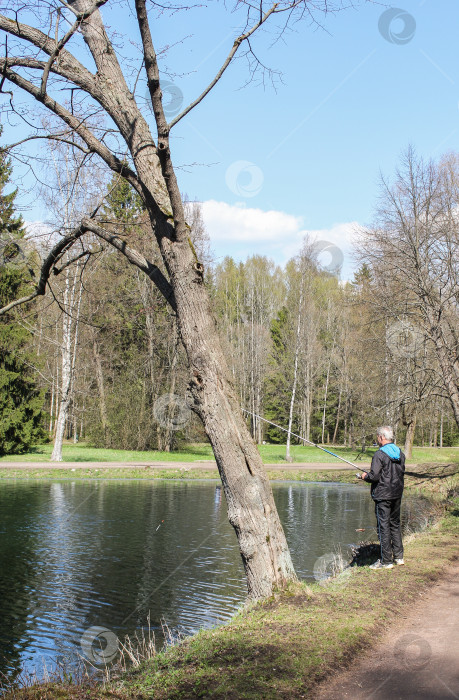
x: 99, y: 359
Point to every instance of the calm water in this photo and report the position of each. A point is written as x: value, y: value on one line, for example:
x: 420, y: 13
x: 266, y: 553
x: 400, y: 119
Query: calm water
x: 79, y: 554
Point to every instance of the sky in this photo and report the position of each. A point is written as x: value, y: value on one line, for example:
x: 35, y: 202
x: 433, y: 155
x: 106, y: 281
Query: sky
x: 273, y: 163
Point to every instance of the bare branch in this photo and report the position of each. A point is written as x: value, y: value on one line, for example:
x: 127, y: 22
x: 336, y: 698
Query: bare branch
x: 87, y: 13
x: 94, y: 145
x: 50, y: 137
x: 163, y: 150
x: 55, y: 254
x: 60, y: 44
x: 69, y: 67
x: 58, y: 270
x: 135, y: 258
x: 229, y: 58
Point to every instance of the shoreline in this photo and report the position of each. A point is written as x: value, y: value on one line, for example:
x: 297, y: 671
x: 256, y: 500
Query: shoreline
x: 311, y: 473
x: 431, y: 479
x: 199, y: 464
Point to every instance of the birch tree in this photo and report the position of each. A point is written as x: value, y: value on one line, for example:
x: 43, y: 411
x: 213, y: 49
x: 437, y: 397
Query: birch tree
x: 68, y: 192
x: 73, y: 291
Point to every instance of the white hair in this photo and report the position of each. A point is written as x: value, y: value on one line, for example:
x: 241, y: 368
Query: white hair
x: 386, y: 432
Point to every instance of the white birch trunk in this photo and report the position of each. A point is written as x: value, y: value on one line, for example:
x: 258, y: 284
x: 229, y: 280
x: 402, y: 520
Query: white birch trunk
x: 295, y: 375
x: 66, y: 374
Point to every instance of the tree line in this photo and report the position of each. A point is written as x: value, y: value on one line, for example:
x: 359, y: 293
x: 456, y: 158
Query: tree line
x: 326, y: 359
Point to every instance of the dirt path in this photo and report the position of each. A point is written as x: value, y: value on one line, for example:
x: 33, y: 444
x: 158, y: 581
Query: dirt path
x: 418, y: 660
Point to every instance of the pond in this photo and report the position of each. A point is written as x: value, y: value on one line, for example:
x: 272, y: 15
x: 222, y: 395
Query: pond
x: 77, y: 555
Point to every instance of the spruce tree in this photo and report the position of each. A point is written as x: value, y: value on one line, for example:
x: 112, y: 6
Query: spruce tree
x: 21, y: 402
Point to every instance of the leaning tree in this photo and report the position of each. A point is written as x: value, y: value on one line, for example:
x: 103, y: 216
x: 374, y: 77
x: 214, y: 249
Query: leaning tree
x: 62, y: 55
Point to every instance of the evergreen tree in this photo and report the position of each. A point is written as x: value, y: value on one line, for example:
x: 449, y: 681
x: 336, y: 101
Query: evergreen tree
x: 279, y: 380
x: 21, y: 414
x: 124, y: 205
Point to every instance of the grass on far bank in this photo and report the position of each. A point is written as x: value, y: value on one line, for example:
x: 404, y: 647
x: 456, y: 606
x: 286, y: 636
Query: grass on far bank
x: 147, y: 473
x: 433, y: 480
x: 271, y: 454
x: 283, y: 647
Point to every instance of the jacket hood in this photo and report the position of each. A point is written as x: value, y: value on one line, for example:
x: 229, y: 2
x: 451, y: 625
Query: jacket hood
x: 391, y: 450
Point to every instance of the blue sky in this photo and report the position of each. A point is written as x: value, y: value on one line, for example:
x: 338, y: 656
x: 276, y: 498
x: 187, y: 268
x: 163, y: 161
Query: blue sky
x: 270, y: 165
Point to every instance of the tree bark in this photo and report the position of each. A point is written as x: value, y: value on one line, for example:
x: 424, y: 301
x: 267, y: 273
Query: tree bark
x: 409, y: 438
x: 251, y: 508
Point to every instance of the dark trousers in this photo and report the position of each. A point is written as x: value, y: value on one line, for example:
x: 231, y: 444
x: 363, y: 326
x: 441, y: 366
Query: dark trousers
x: 389, y: 533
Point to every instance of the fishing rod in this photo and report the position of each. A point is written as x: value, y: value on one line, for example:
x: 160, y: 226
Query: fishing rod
x: 304, y: 440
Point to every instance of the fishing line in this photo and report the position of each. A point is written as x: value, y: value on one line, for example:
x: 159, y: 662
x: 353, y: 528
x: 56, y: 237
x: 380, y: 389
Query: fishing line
x: 304, y: 440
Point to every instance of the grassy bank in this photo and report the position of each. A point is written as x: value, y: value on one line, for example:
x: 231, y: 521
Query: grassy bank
x: 283, y: 647
x: 271, y: 454
x: 145, y: 473
x: 434, y: 480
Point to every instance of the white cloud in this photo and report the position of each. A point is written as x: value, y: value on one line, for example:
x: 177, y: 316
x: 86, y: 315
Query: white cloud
x: 240, y: 231
x: 225, y: 222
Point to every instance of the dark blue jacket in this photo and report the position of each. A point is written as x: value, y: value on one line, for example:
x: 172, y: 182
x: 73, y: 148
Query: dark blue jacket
x: 387, y: 473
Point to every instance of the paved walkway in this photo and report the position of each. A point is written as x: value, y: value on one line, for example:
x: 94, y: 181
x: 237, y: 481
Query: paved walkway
x: 418, y: 660
x: 203, y: 464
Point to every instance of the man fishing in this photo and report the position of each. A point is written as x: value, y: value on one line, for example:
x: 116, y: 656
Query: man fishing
x: 386, y: 477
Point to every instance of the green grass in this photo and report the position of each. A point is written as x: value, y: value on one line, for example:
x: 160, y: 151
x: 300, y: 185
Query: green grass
x: 271, y: 454
x: 283, y: 647
x: 43, y: 473
x: 81, y: 452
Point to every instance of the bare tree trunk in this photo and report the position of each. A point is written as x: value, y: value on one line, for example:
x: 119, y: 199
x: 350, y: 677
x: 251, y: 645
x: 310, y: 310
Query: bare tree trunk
x: 169, y: 431
x: 66, y: 378
x: 74, y: 357
x: 308, y: 399
x: 409, y: 438
x: 335, y: 433
x: 326, y: 394
x: 292, y: 402
x: 56, y: 393
x: 295, y: 374
x: 51, y: 410
x: 441, y: 423
x: 74, y: 423
x: 101, y: 389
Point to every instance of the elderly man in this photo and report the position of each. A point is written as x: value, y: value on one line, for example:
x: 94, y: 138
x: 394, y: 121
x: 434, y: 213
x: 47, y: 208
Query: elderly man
x: 386, y: 477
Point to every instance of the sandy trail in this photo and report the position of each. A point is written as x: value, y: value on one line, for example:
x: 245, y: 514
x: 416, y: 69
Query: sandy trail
x: 417, y: 660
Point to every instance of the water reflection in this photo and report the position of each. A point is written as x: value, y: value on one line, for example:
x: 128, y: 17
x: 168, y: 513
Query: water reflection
x: 75, y: 555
